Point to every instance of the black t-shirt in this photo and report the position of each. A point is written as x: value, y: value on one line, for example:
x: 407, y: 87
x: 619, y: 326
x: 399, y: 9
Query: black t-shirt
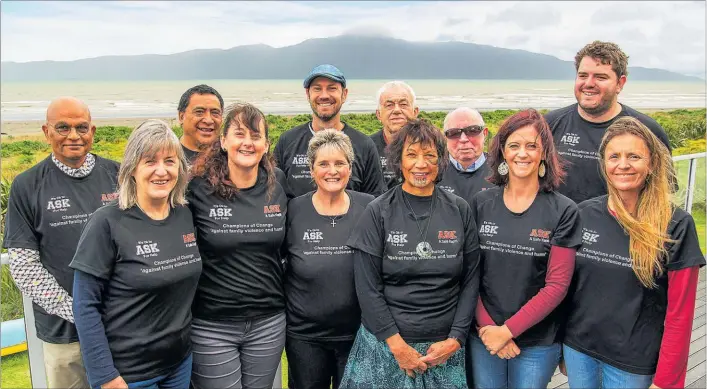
x: 421, y: 294
x: 190, y: 154
x: 514, y: 252
x: 151, y: 268
x: 611, y: 316
x: 291, y: 156
x: 466, y: 184
x: 319, y: 282
x: 46, y: 211
x: 388, y: 175
x: 578, y: 141
x: 240, y: 242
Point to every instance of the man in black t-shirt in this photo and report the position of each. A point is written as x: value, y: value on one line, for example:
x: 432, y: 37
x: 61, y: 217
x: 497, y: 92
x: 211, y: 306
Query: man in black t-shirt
x: 325, y: 87
x: 200, y: 114
x: 396, y: 105
x: 47, y: 209
x: 466, y: 135
x: 602, y: 70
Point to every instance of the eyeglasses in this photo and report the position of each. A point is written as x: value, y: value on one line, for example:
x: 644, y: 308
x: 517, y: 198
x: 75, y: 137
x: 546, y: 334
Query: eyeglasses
x: 64, y: 129
x: 456, y: 133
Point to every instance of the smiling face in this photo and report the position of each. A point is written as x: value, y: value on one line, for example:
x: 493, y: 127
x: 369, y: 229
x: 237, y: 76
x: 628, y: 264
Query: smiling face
x: 201, y: 121
x: 627, y: 161
x: 245, y: 147
x: 597, y: 86
x: 331, y: 171
x: 395, y: 108
x: 419, y: 167
x: 326, y: 98
x: 523, y: 152
x: 155, y: 176
x: 69, y: 131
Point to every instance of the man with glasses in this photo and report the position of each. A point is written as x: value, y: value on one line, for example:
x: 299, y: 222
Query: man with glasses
x: 466, y: 135
x: 47, y: 208
x: 396, y: 106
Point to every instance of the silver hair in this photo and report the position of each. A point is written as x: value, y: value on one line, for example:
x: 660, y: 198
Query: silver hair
x: 395, y: 84
x: 149, y: 138
x: 470, y: 112
x: 329, y: 138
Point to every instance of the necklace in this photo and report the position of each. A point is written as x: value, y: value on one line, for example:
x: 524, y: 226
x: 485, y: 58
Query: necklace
x: 333, y: 220
x: 423, y: 248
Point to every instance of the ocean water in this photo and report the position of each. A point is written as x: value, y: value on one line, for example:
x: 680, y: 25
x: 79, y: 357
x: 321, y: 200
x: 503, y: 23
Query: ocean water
x: 28, y: 101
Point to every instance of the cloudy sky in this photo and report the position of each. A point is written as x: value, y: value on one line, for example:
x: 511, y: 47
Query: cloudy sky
x: 668, y: 35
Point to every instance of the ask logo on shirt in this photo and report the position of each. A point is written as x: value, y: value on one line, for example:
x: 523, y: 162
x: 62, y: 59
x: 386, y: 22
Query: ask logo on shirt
x: 539, y: 235
x: 589, y: 237
x: 272, y: 210
x: 488, y: 229
x: 147, y: 249
x: 447, y: 237
x: 108, y: 197
x: 397, y: 238
x: 570, y: 139
x: 447, y: 188
x: 220, y: 212
x: 59, y: 204
x: 313, y: 235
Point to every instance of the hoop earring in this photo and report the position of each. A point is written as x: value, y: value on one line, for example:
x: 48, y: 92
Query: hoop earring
x: 503, y: 168
x: 541, y: 169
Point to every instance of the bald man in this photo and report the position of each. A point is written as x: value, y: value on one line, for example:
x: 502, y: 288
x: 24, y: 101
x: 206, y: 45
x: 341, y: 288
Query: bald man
x: 466, y: 135
x: 48, y: 206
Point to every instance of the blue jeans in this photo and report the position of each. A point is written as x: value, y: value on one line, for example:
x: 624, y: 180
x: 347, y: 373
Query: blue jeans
x: 584, y: 371
x: 531, y: 369
x: 178, y: 379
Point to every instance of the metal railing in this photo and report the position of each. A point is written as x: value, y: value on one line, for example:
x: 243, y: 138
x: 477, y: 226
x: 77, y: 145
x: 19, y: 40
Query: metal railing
x: 35, y: 349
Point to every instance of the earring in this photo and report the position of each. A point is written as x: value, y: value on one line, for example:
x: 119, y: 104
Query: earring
x: 541, y: 169
x: 503, y: 168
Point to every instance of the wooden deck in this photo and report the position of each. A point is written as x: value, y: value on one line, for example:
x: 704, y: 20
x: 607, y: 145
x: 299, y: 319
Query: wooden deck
x: 696, y: 367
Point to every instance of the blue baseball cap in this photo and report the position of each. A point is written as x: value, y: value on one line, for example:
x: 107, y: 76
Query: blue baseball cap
x: 329, y: 71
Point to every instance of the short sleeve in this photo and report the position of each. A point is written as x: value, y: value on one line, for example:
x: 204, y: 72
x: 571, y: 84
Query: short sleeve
x: 368, y: 235
x: 685, y: 251
x: 471, y: 237
x: 568, y: 232
x: 19, y: 228
x: 96, y: 252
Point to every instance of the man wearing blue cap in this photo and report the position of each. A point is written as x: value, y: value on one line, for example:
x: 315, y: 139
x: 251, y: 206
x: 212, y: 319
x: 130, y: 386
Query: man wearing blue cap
x: 325, y: 87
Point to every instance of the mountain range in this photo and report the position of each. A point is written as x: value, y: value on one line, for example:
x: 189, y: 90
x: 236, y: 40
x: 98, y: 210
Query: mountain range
x: 359, y: 57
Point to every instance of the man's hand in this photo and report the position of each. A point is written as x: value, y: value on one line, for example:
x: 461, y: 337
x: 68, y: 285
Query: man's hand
x: 116, y: 383
x: 407, y: 357
x: 495, y: 337
x: 509, y: 351
x: 439, y: 352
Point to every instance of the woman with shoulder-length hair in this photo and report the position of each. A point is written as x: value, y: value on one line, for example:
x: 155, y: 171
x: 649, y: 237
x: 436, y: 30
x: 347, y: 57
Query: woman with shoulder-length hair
x: 136, y: 271
x: 528, y: 235
x: 633, y: 297
x: 239, y: 205
x: 322, y: 309
x: 416, y: 273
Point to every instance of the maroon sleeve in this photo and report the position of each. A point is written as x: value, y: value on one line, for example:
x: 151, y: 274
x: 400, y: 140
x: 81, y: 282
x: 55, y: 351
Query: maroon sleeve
x: 560, y: 267
x: 675, y: 347
x: 483, y: 318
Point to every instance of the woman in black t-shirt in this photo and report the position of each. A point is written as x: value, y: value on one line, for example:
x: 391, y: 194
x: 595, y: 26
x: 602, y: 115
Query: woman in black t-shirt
x: 322, y: 309
x: 416, y: 274
x: 632, y: 299
x: 528, y: 235
x: 238, y: 201
x: 136, y: 271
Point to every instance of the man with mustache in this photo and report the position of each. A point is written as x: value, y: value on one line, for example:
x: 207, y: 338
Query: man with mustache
x: 466, y: 135
x: 47, y: 209
x: 200, y: 113
x: 396, y: 105
x: 602, y: 70
x: 325, y: 87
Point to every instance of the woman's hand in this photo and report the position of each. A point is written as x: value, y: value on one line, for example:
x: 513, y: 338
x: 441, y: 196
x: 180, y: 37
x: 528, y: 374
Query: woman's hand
x: 407, y: 357
x: 116, y: 383
x: 509, y: 351
x: 495, y: 337
x: 439, y: 352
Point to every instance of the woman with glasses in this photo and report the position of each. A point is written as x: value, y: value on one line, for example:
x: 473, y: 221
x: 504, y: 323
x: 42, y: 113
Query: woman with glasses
x: 322, y: 309
x: 632, y: 300
x: 416, y: 273
x: 528, y: 235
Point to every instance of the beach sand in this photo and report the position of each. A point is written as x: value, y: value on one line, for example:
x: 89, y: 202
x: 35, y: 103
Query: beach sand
x: 34, y: 127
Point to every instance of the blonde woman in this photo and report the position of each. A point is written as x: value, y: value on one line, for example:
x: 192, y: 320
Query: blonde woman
x: 136, y: 271
x: 632, y: 305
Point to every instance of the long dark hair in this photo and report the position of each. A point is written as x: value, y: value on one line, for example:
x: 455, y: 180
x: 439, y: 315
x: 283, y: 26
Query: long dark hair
x: 212, y: 164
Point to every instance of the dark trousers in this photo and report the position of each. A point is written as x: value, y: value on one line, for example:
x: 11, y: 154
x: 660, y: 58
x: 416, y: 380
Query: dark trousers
x: 316, y: 364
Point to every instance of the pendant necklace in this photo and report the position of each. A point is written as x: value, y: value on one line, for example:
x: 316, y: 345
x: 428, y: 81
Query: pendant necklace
x: 423, y: 248
x: 333, y: 220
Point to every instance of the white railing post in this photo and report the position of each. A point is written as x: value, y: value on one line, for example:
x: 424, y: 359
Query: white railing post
x: 690, y: 195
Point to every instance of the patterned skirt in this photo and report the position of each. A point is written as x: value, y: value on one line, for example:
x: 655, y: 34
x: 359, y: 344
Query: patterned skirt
x: 371, y: 365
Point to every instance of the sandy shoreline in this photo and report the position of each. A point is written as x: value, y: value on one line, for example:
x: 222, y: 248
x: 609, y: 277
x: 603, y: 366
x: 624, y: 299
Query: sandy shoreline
x: 34, y: 127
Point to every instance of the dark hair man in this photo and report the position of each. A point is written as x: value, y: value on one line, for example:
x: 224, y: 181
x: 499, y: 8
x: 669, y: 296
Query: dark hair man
x: 602, y: 70
x: 200, y: 115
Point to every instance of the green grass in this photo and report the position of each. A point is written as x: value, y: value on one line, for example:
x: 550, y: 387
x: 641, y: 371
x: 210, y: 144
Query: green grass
x: 14, y: 371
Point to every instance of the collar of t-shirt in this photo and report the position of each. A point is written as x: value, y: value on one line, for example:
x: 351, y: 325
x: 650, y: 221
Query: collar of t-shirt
x: 472, y: 168
x: 82, y: 171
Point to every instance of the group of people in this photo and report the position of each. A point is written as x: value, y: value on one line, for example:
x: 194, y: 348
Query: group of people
x: 407, y: 259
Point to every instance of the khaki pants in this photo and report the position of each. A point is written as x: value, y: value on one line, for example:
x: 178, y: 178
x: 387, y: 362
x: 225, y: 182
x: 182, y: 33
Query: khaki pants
x: 64, y: 366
